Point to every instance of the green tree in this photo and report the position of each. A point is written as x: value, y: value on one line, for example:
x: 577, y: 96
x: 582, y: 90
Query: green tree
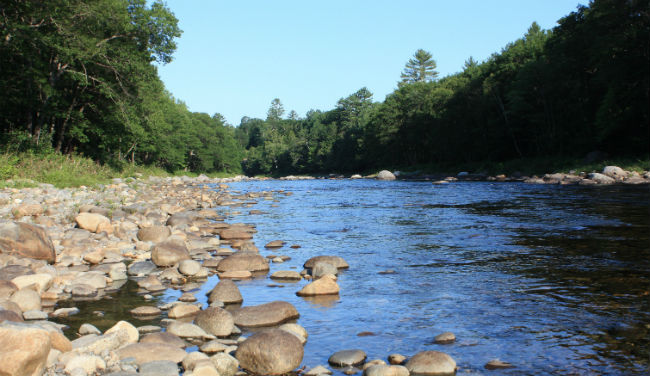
x: 421, y: 68
x: 276, y: 110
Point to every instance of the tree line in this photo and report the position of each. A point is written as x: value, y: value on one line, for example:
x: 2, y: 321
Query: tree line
x: 579, y: 88
x: 79, y: 76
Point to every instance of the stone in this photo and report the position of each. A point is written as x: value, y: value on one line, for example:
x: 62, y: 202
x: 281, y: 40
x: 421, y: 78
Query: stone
x: 337, y: 261
x: 88, y: 329
x: 93, y: 222
x: 431, y: 363
x: 146, y: 311
x: 268, y: 314
x: 270, y: 352
x: 27, y: 299
x: 96, y: 344
x: 7, y: 288
x: 94, y: 257
x: 225, y: 291
x: 27, y: 210
x: 235, y: 233
x: 42, y: 280
x: 216, y: 321
x: 141, y: 268
x: 23, y: 349
x: 373, y: 362
x: 213, y: 347
x: 615, y: 172
x: 347, y: 358
x: 159, y: 368
x: 385, y: 370
x: 296, y: 330
x: 497, y: 364
x: 183, y: 310
x: 274, y: 244
x: 90, y: 364
x: 34, y: 315
x: 444, y: 338
x: 154, y: 234
x: 251, y: 262
x: 10, y: 316
x: 65, y: 312
x: 286, y: 275
x: 192, y: 358
x: 189, y: 267
x: 205, y: 368
x: 149, y: 352
x: 601, y: 179
x: 225, y: 364
x: 169, y: 252
x: 132, y: 331
x: 187, y: 297
x: 385, y: 175
x: 26, y: 240
x: 187, y: 330
x: 11, y: 306
x: 10, y: 272
x: 83, y: 291
x: 321, y: 268
x: 165, y: 338
x: 326, y: 285
x: 96, y: 280
x: 236, y: 274
x: 318, y: 370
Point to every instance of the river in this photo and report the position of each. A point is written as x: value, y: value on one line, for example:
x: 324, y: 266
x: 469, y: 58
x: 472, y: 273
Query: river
x: 553, y: 279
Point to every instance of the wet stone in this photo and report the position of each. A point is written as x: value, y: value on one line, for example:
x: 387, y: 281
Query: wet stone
x: 497, y: 364
x: 347, y: 358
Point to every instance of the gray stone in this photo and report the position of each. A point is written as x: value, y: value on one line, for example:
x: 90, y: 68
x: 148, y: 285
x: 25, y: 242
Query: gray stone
x: 159, y: 368
x: 445, y: 338
x: 347, y: 358
x: 141, y: 268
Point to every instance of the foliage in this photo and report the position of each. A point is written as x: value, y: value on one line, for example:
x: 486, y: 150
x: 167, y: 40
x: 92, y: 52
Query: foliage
x: 421, y: 68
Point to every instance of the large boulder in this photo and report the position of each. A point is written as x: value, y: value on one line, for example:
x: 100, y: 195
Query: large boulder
x: 26, y: 240
x: 270, y: 352
x: 385, y: 175
x: 326, y: 285
x: 337, y: 261
x: 93, y: 222
x: 216, y: 321
x: 251, y: 262
x: 154, y: 234
x: 268, y: 314
x: 149, y: 352
x: 615, y: 172
x: 225, y: 291
x: 23, y: 349
x: 169, y: 252
x: 430, y: 363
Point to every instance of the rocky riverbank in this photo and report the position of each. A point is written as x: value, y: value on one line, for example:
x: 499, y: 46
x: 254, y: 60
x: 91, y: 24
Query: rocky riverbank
x: 61, y: 246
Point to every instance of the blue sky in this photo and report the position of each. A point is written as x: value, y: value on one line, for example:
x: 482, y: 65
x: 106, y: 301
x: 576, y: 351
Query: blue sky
x: 236, y: 56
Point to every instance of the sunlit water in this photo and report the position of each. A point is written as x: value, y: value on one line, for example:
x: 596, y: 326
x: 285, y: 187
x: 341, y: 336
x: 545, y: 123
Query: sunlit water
x: 553, y: 279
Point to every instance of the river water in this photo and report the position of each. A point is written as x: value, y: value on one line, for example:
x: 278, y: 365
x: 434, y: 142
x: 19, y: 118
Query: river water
x: 553, y: 279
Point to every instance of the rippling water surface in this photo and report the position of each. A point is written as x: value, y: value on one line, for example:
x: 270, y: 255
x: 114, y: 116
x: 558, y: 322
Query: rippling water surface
x: 554, y: 279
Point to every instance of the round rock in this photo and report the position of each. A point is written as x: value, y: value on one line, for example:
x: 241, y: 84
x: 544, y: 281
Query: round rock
x: 347, y: 358
x: 189, y: 267
x: 429, y: 363
x: 216, y: 321
x: 225, y: 291
x: 154, y: 234
x: 270, y: 352
x: 445, y: 338
x: 169, y: 252
x: 325, y: 285
x: 251, y: 262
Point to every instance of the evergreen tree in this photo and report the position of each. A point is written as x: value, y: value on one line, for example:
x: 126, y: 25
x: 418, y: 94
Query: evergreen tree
x: 421, y: 68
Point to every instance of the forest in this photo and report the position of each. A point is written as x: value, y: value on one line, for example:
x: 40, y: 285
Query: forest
x: 80, y: 77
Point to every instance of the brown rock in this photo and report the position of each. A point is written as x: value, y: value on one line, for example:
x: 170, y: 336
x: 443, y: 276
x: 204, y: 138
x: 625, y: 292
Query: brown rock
x: 268, y: 314
x: 149, y: 352
x: 10, y: 316
x: 169, y: 252
x: 270, y: 352
x: 497, y: 364
x: 7, y: 288
x: 154, y: 234
x: 146, y: 311
x: 25, y: 240
x: 235, y: 233
x: 325, y: 285
x: 337, y: 261
x: 93, y: 222
x: 275, y: 244
x: 183, y: 310
x: 431, y: 363
x: 225, y: 291
x: 27, y: 210
x: 23, y: 349
x: 216, y: 321
x: 251, y: 262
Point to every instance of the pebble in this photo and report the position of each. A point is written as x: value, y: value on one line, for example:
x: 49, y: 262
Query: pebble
x: 445, y: 338
x: 497, y: 364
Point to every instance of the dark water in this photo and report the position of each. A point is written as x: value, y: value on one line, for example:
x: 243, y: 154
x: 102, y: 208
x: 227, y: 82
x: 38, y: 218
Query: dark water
x: 554, y: 279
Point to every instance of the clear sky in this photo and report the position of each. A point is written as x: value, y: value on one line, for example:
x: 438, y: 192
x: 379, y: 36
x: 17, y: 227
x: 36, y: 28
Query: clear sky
x: 236, y: 56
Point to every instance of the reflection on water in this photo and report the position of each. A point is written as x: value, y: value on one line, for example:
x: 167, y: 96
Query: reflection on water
x: 554, y: 279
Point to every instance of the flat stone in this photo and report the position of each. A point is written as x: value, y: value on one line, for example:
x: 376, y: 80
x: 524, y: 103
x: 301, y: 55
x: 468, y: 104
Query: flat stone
x: 187, y: 330
x: 385, y: 370
x: 497, y: 364
x: 159, y: 368
x: 148, y: 352
x: 42, y: 280
x: 274, y: 244
x: 431, y: 363
x: 141, y: 268
x: 445, y: 338
x: 251, y: 262
x: 318, y: 370
x: 347, y: 358
x: 146, y: 311
x: 337, y: 261
x: 213, y: 347
x: 34, y: 315
x: 268, y: 314
x: 287, y: 275
x: 183, y: 310
x: 65, y: 312
x: 164, y: 338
